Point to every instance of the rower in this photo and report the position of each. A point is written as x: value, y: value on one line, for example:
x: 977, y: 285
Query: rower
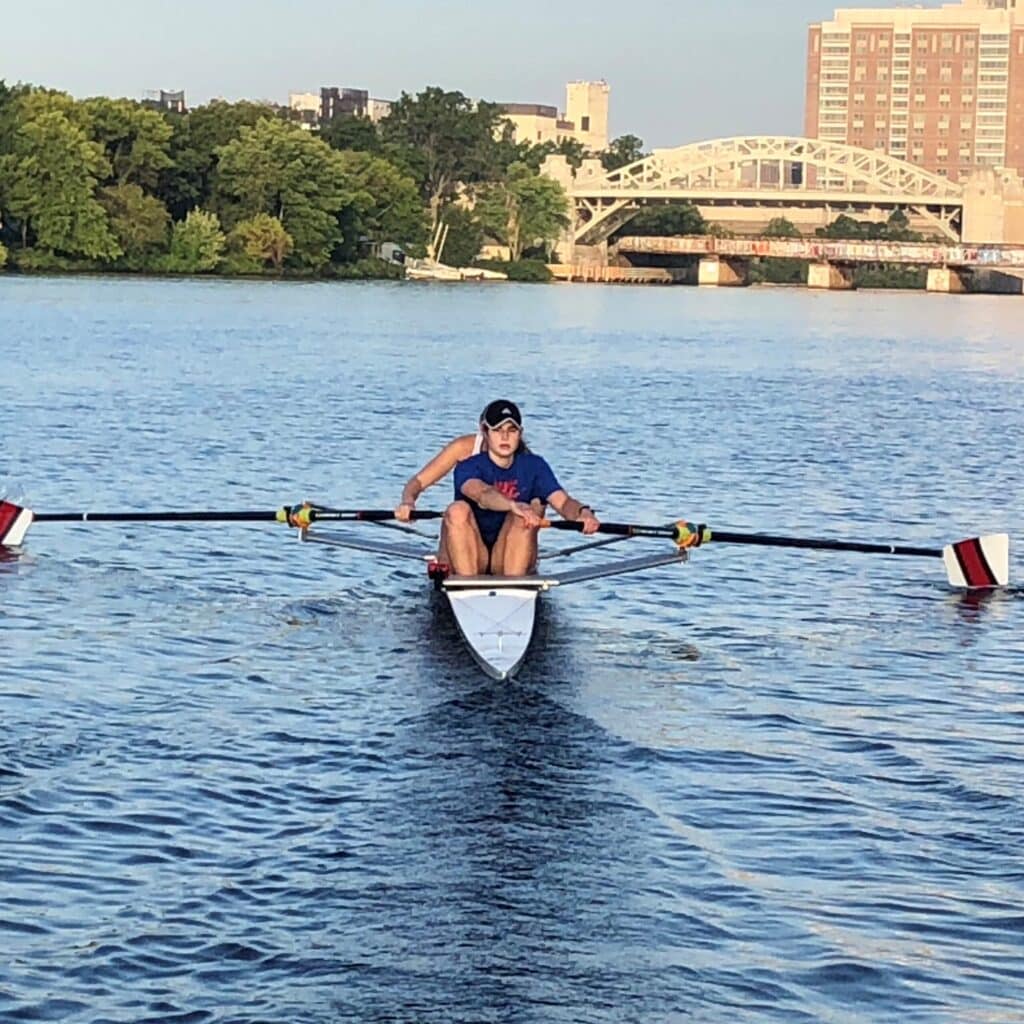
x: 491, y: 526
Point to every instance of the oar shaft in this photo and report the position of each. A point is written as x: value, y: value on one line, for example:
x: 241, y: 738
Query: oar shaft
x: 767, y: 540
x: 158, y: 517
x: 279, y: 515
x: 761, y: 539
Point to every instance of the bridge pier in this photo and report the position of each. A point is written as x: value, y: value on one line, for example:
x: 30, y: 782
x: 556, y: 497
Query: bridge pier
x: 722, y: 272
x: 834, y: 277
x: 947, y: 280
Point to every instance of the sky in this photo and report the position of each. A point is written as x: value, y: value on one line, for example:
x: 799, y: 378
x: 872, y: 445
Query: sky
x: 680, y: 70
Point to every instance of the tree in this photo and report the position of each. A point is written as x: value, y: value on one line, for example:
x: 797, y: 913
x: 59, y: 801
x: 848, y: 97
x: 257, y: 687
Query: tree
x: 624, y: 150
x: 50, y: 188
x: 10, y: 113
x: 773, y: 270
x: 263, y: 239
x: 139, y: 223
x: 465, y: 237
x: 384, y: 206
x: 3, y: 256
x: 664, y: 221
x: 344, y: 131
x: 446, y: 140
x: 195, y: 139
x: 895, y: 229
x: 524, y: 210
x: 197, y: 244
x: 136, y: 140
x: 780, y: 227
x: 278, y: 169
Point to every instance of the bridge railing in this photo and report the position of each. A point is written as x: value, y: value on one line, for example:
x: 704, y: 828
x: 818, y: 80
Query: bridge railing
x: 829, y: 250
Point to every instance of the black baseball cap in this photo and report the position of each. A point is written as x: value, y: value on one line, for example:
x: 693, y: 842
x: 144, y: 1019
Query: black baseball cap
x: 501, y: 411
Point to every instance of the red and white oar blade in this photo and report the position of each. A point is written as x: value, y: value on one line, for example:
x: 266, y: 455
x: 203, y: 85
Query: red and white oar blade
x: 14, y: 524
x: 978, y: 561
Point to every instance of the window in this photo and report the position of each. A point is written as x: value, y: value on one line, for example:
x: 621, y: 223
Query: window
x: 585, y: 124
x: 947, y: 41
x: 922, y: 44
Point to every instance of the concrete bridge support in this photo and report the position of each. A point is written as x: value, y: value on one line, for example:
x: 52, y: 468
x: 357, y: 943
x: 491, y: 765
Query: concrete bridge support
x: 833, y: 277
x: 947, y: 280
x: 720, y: 272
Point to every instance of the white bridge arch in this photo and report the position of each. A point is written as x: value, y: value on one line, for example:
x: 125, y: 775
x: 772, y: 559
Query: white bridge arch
x: 773, y: 171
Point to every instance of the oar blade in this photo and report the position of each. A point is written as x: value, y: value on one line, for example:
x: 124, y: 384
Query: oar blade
x: 978, y: 562
x: 14, y: 524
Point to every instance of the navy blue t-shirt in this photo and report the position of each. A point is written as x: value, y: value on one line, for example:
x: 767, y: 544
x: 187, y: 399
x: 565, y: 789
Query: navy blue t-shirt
x: 527, y: 478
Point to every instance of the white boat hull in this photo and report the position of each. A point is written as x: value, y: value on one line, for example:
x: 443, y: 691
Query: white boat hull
x: 497, y: 625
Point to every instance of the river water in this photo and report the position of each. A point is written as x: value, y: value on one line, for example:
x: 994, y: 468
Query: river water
x: 244, y: 780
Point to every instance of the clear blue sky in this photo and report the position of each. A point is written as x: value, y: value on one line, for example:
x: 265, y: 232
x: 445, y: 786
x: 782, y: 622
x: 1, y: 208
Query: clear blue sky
x: 676, y: 72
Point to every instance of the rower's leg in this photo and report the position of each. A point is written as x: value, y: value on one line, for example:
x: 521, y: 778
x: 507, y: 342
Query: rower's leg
x: 461, y: 545
x: 515, y: 550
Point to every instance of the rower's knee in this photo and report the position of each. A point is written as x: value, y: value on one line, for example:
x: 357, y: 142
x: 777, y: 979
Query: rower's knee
x: 458, y: 513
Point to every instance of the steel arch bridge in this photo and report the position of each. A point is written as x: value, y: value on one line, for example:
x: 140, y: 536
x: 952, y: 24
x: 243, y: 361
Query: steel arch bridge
x: 767, y: 171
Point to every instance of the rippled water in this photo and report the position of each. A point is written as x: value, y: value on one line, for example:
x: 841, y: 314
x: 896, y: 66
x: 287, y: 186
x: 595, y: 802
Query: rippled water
x: 244, y: 780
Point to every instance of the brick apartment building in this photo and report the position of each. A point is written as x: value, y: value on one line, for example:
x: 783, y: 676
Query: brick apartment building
x: 941, y: 88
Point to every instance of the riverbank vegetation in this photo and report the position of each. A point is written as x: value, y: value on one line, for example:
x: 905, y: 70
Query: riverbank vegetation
x: 239, y: 188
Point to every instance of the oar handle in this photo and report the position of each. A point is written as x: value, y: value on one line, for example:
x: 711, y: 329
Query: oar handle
x: 624, y: 529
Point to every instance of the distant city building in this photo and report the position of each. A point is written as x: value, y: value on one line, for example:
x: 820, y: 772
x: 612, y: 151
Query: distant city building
x: 584, y: 120
x: 158, y: 99
x: 305, y: 108
x: 942, y: 88
x: 377, y: 110
x: 586, y: 105
x: 335, y: 102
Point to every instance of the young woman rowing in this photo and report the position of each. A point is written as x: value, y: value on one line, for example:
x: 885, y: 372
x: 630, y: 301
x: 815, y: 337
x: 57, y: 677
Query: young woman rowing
x: 491, y: 526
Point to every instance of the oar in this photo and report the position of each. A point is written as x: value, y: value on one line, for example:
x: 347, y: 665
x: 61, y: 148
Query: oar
x: 975, y: 562
x: 15, y: 520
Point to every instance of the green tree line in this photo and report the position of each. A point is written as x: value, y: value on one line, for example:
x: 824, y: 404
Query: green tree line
x: 112, y: 184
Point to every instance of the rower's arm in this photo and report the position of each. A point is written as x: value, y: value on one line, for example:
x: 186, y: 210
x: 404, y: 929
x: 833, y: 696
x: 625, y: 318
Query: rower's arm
x: 486, y: 496
x: 568, y: 507
x: 438, y: 467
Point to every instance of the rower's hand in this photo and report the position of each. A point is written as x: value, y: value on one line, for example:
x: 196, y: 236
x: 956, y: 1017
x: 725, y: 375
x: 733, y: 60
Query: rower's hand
x: 591, y: 524
x: 403, y: 513
x: 528, y: 514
